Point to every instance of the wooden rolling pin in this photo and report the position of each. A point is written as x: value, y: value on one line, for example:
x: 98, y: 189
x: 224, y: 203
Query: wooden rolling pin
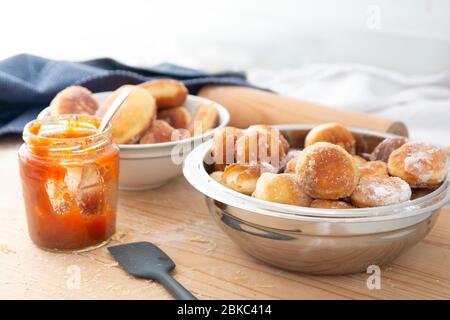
x: 250, y: 106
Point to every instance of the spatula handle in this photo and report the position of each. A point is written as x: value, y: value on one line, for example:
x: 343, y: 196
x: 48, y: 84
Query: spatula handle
x: 175, y: 288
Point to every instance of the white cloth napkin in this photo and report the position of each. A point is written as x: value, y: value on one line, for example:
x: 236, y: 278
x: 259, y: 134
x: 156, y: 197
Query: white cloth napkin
x: 422, y: 102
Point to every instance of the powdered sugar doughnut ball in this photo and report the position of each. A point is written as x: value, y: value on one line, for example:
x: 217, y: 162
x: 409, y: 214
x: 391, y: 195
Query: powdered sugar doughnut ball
x: 334, y: 133
x: 384, y: 149
x: 281, y: 188
x: 419, y: 164
x: 373, y: 168
x: 223, y: 148
x: 261, y: 143
x: 327, y: 171
x: 380, y: 191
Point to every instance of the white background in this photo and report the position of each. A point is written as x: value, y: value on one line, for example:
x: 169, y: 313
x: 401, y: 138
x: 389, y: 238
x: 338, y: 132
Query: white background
x: 411, y: 36
x: 386, y: 57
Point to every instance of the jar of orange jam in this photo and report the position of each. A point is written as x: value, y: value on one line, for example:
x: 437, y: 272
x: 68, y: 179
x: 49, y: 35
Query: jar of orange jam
x: 69, y: 174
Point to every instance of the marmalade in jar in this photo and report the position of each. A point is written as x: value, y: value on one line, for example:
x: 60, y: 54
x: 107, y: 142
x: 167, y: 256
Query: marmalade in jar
x: 69, y: 175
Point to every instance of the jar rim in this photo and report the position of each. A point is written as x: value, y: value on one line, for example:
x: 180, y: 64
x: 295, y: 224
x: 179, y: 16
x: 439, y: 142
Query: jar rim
x: 78, y: 117
x: 41, y: 145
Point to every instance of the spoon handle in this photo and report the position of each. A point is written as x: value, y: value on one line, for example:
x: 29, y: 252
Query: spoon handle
x: 113, y: 108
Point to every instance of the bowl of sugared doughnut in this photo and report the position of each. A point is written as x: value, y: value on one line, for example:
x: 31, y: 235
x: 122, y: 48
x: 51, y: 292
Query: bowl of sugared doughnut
x: 157, y: 125
x: 322, y: 199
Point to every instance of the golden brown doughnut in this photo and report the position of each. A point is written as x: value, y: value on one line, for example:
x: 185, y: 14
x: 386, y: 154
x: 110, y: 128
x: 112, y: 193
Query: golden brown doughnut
x: 291, y: 165
x: 330, y: 204
x: 380, y: 191
x: 159, y: 131
x: 419, y: 164
x: 242, y: 178
x: 206, y: 118
x: 261, y: 144
x: 178, y: 118
x: 384, y: 149
x: 281, y: 188
x: 334, y: 133
x: 327, y: 171
x: 291, y: 160
x: 359, y: 160
x: 267, y: 130
x: 373, y: 168
x: 134, y: 116
x: 168, y: 93
x: 223, y: 146
x: 73, y: 100
x: 287, y: 165
x: 217, y: 176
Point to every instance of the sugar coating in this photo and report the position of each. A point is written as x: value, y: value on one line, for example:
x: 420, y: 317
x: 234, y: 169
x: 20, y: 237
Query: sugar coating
x: 419, y: 162
x: 327, y: 171
x: 380, y: 191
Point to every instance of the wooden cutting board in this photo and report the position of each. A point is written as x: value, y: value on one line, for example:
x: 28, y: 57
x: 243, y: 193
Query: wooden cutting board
x: 176, y: 218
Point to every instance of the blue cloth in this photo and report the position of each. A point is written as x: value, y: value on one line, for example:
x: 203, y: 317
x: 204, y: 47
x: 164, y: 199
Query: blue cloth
x: 28, y: 83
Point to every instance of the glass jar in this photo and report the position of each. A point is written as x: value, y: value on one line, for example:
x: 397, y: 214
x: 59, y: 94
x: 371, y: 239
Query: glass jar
x: 69, y: 175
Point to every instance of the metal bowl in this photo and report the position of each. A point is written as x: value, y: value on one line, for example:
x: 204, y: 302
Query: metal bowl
x: 310, y: 240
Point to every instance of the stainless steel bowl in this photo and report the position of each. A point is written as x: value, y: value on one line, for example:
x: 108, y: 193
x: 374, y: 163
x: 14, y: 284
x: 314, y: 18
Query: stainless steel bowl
x: 310, y: 240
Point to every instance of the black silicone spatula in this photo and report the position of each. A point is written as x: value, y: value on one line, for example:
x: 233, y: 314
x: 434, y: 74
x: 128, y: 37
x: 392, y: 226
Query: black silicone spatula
x: 145, y: 260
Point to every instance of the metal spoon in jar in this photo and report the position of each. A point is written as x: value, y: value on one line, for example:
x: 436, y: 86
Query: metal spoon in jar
x: 113, y: 108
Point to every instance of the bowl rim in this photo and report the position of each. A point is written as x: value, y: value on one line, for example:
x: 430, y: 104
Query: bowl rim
x: 224, y: 118
x: 196, y: 174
